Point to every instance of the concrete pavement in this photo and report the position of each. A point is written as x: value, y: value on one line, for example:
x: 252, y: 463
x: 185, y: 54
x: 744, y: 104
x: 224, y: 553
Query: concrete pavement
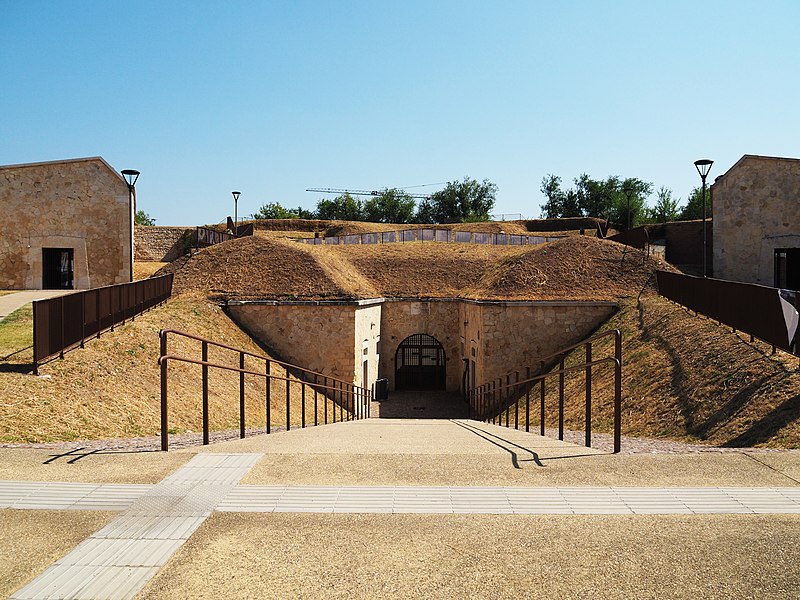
x: 11, y: 302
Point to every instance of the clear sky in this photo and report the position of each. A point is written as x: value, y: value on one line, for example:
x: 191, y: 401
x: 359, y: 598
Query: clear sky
x: 271, y: 98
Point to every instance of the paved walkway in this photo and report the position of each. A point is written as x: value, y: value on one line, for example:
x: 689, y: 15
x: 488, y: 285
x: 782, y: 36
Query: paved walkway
x: 11, y: 302
x: 239, y: 477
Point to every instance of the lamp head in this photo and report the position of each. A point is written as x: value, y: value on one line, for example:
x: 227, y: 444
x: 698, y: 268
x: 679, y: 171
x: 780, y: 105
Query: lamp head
x: 703, y: 166
x: 236, y: 196
x: 130, y: 175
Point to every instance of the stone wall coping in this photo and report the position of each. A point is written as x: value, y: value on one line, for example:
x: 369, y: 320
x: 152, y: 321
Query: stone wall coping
x: 374, y: 301
x: 748, y: 157
x: 99, y: 159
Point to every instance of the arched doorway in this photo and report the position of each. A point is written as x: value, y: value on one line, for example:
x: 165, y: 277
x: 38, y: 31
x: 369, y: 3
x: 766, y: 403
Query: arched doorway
x: 420, y: 364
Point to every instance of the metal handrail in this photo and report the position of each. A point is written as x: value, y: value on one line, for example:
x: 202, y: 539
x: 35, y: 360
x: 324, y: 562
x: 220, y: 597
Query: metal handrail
x: 340, y: 392
x: 488, y: 401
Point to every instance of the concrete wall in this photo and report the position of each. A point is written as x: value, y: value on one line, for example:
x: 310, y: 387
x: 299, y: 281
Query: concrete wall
x: 80, y: 204
x: 161, y: 244
x: 332, y: 337
x: 756, y: 209
x: 437, y: 318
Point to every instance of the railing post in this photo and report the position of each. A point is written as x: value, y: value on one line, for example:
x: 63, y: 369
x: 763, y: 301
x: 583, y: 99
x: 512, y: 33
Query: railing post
x: 204, y: 368
x: 303, y: 403
x: 98, y: 314
x: 508, y: 397
x: 588, y: 440
x: 617, y: 391
x: 316, y: 401
x: 83, y: 318
x: 541, y: 403
x: 241, y: 395
x: 163, y: 363
x: 327, y: 393
x: 288, y: 403
x: 268, y: 397
x: 516, y: 400
x: 561, y: 399
x: 527, y: 401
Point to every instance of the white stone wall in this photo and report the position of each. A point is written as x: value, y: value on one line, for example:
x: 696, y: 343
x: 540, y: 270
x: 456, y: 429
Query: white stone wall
x: 756, y: 209
x: 80, y: 204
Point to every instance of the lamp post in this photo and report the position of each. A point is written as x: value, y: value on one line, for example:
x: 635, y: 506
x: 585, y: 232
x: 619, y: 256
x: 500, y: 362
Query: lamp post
x: 131, y: 175
x: 703, y: 166
x: 628, y: 192
x: 236, y: 212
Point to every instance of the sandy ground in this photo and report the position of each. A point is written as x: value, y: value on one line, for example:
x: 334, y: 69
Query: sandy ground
x: 80, y: 466
x: 477, y: 556
x: 30, y: 540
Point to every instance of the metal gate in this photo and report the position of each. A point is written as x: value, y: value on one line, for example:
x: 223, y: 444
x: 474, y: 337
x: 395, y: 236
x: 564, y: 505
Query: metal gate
x: 420, y: 364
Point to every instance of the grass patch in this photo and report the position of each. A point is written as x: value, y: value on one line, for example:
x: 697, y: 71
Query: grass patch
x: 16, y: 335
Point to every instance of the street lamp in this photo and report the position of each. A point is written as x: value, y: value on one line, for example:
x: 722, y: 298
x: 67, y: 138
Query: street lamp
x: 131, y: 175
x: 628, y: 192
x: 236, y: 212
x: 703, y: 166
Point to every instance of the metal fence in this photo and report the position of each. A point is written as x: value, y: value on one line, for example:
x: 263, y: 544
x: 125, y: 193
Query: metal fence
x: 432, y: 235
x: 209, y: 237
x: 351, y: 400
x: 756, y: 310
x: 490, y: 401
x: 635, y: 238
x: 67, y: 321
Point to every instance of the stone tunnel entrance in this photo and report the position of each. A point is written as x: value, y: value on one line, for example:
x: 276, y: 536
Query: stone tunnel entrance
x: 420, y: 364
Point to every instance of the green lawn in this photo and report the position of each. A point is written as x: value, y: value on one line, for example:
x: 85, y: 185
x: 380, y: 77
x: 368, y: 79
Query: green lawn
x: 16, y: 335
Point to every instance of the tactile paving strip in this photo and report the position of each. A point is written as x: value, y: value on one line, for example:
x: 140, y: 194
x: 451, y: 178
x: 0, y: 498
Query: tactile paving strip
x: 117, y: 561
x: 508, y: 500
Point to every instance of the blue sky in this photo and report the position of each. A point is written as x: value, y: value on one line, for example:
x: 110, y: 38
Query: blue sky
x: 271, y: 98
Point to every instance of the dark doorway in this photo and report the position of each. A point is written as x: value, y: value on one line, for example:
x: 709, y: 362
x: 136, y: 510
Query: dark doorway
x: 787, y: 268
x: 58, y: 268
x: 420, y: 364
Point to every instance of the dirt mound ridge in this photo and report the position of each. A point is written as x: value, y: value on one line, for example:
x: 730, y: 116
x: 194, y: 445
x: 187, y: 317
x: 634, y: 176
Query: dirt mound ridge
x: 257, y: 267
x: 573, y: 268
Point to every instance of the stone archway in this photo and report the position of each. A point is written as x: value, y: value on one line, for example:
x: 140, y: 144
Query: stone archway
x: 420, y: 364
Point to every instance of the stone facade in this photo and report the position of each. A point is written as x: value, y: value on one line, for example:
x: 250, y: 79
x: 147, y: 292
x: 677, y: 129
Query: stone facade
x: 161, y: 244
x: 756, y: 209
x: 80, y: 205
x: 339, y: 338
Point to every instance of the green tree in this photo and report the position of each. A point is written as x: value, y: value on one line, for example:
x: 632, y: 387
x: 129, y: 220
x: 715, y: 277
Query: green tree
x: 595, y: 196
x: 142, y: 218
x: 666, y: 207
x: 551, y: 188
x: 390, y: 206
x: 694, y: 205
x: 463, y: 201
x: 341, y: 208
x: 274, y: 210
x: 637, y: 206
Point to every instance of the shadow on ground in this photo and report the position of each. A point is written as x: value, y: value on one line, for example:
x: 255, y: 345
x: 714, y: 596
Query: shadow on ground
x: 421, y: 405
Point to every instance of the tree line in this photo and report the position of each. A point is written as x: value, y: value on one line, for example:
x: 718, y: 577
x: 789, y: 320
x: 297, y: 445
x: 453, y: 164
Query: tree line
x: 459, y: 202
x: 621, y: 201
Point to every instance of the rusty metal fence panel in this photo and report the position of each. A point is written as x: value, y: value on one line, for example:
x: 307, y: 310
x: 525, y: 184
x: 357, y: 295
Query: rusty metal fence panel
x: 210, y: 237
x: 482, y: 238
x: 500, y: 239
x: 408, y: 235
x: 462, y: 237
x: 388, y: 237
x: 516, y: 240
x: 635, y: 238
x: 441, y: 235
x: 753, y: 309
x: 427, y: 235
x: 63, y: 322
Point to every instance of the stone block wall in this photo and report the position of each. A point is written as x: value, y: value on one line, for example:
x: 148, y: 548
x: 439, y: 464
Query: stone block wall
x: 81, y: 205
x: 756, y: 210
x: 161, y: 244
x: 335, y: 338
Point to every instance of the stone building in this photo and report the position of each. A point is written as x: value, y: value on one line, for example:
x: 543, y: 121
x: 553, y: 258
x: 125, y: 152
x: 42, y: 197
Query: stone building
x: 67, y: 225
x: 756, y: 216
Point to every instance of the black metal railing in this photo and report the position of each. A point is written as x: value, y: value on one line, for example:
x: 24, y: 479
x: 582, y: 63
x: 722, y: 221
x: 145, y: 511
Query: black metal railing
x: 492, y: 400
x: 65, y: 322
x: 753, y: 309
x: 352, y: 401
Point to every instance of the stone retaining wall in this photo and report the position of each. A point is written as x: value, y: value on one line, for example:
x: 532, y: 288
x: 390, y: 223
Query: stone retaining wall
x: 161, y: 244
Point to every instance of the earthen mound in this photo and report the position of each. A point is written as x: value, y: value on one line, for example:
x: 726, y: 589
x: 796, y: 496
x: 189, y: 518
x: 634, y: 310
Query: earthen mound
x: 573, y: 268
x: 257, y: 267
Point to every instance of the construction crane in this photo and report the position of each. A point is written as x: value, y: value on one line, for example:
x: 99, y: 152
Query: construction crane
x: 360, y: 192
